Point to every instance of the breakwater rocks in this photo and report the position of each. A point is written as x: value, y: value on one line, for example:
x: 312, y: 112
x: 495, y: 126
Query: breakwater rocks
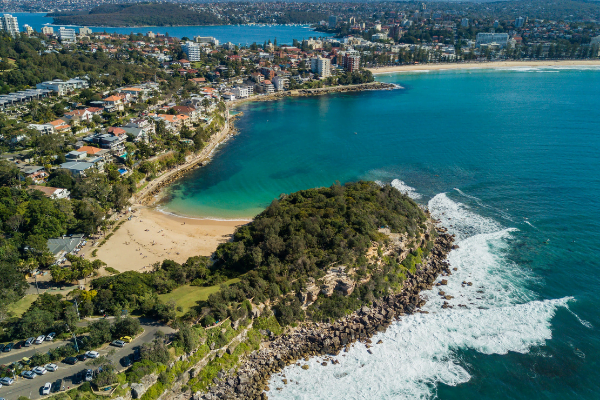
x: 326, y: 90
x: 249, y: 382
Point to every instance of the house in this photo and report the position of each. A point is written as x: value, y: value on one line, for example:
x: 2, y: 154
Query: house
x: 60, y: 126
x: 93, y: 152
x: 62, y: 246
x: 114, y: 103
x: 173, y: 123
x: 75, y: 155
x: 191, y: 112
x: 77, y: 168
x: 52, y: 192
x: 44, y: 129
x: 185, y: 63
x: 240, y: 92
x: 77, y: 116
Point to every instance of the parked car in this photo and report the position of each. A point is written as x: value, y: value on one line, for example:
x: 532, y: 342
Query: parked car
x: 7, y: 381
x: 46, y: 388
x: 126, y: 339
x: 82, y: 357
x: 57, y: 386
x: 40, y: 339
x: 78, y: 377
x: 20, y: 345
x: 39, y: 370
x: 92, y: 354
x: 25, y: 361
x: 71, y: 360
x: 8, y: 347
x: 89, y: 375
x: 1, y: 347
x: 51, y: 367
x: 126, y: 361
x: 29, y: 341
x: 137, y: 355
x: 118, y: 343
x: 51, y: 336
x: 28, y: 374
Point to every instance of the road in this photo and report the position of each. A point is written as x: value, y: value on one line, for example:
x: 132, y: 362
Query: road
x: 31, y: 388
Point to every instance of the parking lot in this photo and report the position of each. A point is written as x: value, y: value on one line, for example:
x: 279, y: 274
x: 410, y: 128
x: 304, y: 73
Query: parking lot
x: 31, y: 388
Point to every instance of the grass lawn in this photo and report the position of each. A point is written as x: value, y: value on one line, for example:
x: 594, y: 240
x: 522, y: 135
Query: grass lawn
x: 23, y: 305
x: 186, y: 296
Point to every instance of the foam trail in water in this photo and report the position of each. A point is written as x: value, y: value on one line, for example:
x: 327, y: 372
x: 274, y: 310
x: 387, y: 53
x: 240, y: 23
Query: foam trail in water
x: 582, y: 321
x: 494, y: 315
x: 405, y: 189
x: 504, y: 214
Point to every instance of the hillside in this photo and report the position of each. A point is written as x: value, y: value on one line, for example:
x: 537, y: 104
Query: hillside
x: 321, y: 253
x: 141, y: 14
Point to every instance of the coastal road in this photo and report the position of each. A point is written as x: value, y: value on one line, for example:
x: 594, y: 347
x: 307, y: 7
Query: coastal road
x: 31, y: 388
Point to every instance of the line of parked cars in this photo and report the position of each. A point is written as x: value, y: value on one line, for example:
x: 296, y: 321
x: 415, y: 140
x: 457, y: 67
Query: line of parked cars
x: 27, y: 342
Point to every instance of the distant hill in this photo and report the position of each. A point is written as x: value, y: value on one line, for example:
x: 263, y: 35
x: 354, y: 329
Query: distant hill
x: 142, y: 14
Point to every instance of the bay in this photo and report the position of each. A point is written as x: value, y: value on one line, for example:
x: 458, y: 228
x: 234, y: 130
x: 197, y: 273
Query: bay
x: 237, y: 34
x: 508, y: 160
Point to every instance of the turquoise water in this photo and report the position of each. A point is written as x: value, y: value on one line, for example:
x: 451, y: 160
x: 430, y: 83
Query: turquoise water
x: 244, y: 35
x: 509, y: 161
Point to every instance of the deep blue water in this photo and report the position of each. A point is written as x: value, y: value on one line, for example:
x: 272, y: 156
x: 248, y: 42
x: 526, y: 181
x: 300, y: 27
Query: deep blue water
x: 509, y: 161
x: 244, y: 35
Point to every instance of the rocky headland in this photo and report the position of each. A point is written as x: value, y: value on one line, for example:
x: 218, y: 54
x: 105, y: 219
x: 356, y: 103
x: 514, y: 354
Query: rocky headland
x: 249, y: 381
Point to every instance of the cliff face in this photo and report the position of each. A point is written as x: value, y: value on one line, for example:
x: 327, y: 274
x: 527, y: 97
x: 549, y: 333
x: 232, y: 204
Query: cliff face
x: 322, y: 339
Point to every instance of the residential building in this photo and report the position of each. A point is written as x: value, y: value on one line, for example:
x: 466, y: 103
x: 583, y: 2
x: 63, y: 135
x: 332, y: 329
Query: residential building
x: 519, y: 22
x: 63, y: 87
x: 62, y: 246
x: 60, y: 126
x: 266, y: 87
x: 67, y: 35
x: 114, y: 103
x: 379, y: 36
x: 85, y: 31
x: 94, y: 152
x: 77, y: 168
x: 228, y: 96
x: 489, y: 38
x: 9, y: 23
x: 28, y: 30
x: 321, y: 66
x: 52, y: 192
x: 281, y: 82
x: 351, y: 63
x: 192, y: 51
x: 206, y: 40
x: 464, y: 22
x: 44, y: 129
x: 75, y: 117
x: 240, y: 92
x: 48, y: 30
x: 333, y: 21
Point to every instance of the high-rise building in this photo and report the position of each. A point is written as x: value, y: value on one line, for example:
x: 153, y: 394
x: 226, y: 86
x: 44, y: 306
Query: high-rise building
x: 351, y: 62
x: 85, y: 31
x: 464, y: 22
x: 395, y: 32
x: 9, y: 24
x: 192, y: 51
x: 67, y: 35
x: 423, y: 6
x: 332, y: 21
x: 496, y: 24
x: 48, y: 30
x: 519, y: 22
x: 321, y: 66
x: 206, y: 40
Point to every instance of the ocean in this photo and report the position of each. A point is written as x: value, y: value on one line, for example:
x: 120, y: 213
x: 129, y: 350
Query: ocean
x: 242, y: 35
x: 508, y: 160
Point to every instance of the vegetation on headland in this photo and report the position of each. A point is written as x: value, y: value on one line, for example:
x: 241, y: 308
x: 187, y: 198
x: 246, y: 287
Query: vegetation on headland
x: 141, y: 14
x: 166, y: 14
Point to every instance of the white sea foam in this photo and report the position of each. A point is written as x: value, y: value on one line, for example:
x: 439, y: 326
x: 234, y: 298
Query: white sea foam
x: 495, y: 315
x: 405, y: 189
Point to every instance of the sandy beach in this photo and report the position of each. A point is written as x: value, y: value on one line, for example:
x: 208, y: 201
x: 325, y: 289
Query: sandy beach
x: 153, y: 236
x: 480, y: 65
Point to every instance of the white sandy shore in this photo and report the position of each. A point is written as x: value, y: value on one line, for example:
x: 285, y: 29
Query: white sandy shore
x: 482, y: 65
x: 153, y: 236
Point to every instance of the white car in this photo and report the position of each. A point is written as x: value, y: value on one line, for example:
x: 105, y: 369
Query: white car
x: 7, y: 381
x: 39, y: 370
x: 40, y: 339
x: 51, y: 367
x: 46, y: 388
x: 92, y: 354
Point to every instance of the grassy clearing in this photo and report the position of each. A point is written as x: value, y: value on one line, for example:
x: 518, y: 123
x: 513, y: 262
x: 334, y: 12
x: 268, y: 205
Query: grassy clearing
x: 186, y: 296
x: 22, y: 305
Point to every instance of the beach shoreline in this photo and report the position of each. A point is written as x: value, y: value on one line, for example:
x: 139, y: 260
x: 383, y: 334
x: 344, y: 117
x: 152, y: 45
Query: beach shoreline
x: 151, y: 236
x: 483, y: 65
